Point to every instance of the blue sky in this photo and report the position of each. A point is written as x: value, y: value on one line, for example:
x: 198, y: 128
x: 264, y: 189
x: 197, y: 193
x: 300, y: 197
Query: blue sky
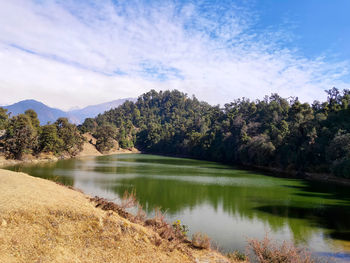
x: 75, y: 53
x: 318, y: 26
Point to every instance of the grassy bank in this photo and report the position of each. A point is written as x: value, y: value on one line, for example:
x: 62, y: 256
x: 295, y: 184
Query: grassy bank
x: 41, y: 221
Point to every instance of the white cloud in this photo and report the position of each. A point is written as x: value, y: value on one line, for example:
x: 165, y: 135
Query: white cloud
x: 69, y: 53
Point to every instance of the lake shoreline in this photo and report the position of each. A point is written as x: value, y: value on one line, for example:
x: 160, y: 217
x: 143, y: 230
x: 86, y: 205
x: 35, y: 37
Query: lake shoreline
x: 213, y: 191
x: 270, y: 171
x: 30, y: 159
x: 38, y: 215
x: 275, y: 172
x: 315, y: 177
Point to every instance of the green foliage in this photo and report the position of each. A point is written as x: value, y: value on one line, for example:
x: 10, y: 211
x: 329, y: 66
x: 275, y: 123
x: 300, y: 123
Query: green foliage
x: 341, y: 167
x: 89, y: 125
x: 273, y: 132
x: 49, y: 140
x: 25, y: 135
x: 338, y: 154
x: 33, y: 118
x: 183, y: 229
x: 258, y: 150
x: 70, y: 135
x: 3, y: 118
x: 237, y: 256
x: 21, y: 137
x: 105, y: 135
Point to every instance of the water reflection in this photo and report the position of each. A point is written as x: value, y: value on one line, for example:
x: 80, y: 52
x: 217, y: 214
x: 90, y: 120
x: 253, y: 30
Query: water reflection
x: 228, y: 204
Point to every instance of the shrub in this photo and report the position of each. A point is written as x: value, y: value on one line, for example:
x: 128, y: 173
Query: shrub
x: 266, y: 251
x: 181, y: 230
x: 141, y: 214
x: 201, y: 241
x: 237, y: 256
x: 128, y: 200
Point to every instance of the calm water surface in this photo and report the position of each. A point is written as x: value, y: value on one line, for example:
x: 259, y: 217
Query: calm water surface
x: 229, y: 205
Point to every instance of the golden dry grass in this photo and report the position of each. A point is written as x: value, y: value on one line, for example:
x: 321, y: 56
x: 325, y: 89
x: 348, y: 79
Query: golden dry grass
x: 89, y: 150
x: 41, y: 221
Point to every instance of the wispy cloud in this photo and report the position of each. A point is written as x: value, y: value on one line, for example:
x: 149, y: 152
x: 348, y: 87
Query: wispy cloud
x: 69, y: 53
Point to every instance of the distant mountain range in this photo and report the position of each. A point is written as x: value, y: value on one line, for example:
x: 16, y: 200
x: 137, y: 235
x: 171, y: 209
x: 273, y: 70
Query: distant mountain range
x: 47, y: 114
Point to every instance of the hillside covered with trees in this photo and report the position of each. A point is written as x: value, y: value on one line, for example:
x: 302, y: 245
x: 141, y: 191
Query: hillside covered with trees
x: 274, y: 132
x: 22, y: 134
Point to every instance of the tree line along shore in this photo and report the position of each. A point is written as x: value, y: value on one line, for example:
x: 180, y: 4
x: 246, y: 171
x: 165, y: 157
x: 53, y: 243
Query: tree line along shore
x: 273, y: 133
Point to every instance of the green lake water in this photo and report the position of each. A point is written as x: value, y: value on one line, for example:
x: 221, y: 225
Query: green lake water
x: 228, y: 204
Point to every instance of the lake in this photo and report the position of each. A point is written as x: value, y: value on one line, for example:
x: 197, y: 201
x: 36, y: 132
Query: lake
x: 228, y: 204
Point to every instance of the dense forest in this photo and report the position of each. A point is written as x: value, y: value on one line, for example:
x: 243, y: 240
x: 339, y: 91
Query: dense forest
x: 273, y: 132
x: 24, y: 135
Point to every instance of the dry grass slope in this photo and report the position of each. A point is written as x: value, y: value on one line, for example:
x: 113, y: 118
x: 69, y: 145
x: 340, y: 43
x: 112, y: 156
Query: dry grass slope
x: 41, y: 221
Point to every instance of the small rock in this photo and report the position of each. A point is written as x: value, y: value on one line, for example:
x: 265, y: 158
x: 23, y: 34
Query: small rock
x: 4, y: 223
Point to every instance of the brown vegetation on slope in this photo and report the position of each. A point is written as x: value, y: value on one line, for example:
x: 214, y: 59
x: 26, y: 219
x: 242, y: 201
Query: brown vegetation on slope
x: 41, y: 221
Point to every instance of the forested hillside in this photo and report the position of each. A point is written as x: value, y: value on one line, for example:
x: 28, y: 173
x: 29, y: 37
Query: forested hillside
x: 22, y: 134
x: 273, y: 132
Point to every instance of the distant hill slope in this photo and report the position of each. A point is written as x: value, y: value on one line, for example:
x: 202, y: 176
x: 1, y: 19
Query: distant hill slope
x: 47, y: 114
x: 78, y: 116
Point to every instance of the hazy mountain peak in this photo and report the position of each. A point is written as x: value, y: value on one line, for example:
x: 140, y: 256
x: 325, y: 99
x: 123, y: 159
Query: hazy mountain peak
x: 47, y: 114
